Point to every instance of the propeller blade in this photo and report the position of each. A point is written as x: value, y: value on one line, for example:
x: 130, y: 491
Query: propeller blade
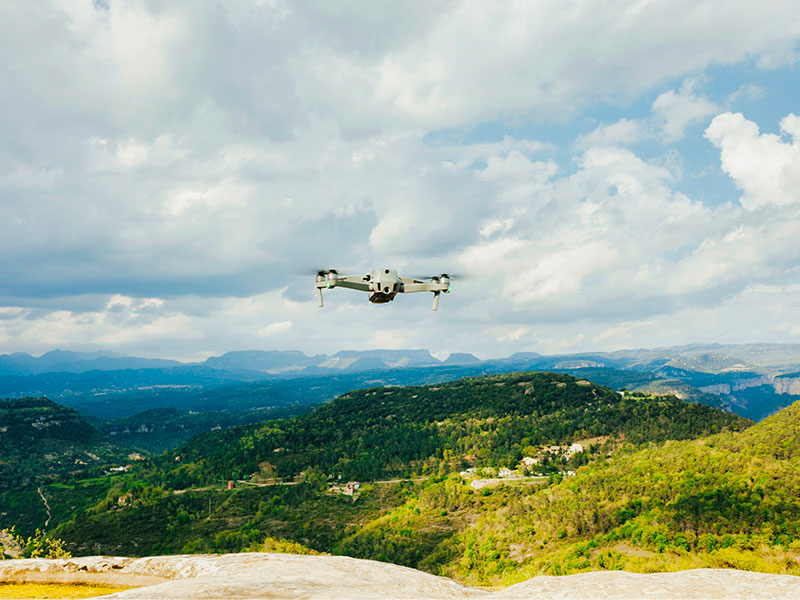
x: 450, y: 276
x: 322, y: 272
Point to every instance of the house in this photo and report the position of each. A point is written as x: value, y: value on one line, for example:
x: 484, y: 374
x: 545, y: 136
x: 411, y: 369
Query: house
x: 468, y: 472
x: 350, y: 488
x: 528, y: 461
x: 505, y: 472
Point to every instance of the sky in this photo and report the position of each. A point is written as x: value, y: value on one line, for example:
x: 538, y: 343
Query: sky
x: 604, y: 174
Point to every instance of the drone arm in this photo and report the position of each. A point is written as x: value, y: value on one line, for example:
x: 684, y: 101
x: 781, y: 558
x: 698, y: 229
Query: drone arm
x: 355, y: 282
x: 418, y: 286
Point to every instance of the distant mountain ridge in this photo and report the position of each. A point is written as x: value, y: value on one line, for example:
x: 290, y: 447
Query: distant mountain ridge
x: 772, y: 359
x: 63, y: 361
x: 753, y: 380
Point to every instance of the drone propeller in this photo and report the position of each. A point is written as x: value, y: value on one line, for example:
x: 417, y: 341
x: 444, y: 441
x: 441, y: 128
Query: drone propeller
x: 451, y: 277
x: 322, y: 272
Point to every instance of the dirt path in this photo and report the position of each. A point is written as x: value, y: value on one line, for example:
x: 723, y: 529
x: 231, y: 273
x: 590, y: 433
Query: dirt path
x: 46, y: 505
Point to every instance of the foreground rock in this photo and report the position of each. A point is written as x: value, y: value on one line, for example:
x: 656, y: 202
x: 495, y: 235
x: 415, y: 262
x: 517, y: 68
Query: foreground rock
x: 288, y: 576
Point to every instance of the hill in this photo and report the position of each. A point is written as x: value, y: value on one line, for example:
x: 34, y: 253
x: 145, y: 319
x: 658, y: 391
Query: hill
x: 652, y: 483
x: 731, y: 500
x: 394, y: 432
x: 43, y: 445
x: 160, y: 429
x: 425, y: 433
x: 42, y: 438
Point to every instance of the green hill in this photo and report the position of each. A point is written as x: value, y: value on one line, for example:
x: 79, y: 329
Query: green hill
x: 481, y: 421
x: 160, y: 429
x: 729, y: 501
x: 43, y: 445
x: 376, y: 434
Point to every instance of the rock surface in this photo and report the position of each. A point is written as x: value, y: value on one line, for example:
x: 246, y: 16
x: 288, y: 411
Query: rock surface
x: 288, y: 576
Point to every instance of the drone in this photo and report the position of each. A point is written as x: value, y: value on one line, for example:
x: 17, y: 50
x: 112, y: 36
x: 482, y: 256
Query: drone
x: 383, y: 285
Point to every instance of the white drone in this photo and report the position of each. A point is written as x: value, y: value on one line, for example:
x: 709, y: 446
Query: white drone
x: 383, y: 284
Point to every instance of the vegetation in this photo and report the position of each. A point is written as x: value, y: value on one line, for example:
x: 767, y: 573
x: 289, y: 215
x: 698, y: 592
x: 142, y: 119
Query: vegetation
x: 138, y: 520
x: 38, y: 545
x: 52, y: 463
x: 160, y: 429
x: 401, y: 432
x: 660, y: 484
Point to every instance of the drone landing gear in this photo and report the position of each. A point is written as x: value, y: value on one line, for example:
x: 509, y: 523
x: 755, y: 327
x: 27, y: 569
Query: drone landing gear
x: 435, y: 300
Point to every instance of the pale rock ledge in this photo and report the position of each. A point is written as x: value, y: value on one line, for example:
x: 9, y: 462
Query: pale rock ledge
x: 289, y: 577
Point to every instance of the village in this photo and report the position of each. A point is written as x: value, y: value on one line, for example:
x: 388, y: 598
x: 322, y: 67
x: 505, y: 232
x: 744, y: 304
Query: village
x: 528, y: 468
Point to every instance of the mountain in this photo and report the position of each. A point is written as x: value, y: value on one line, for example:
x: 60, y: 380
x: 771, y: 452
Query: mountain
x: 461, y: 358
x: 753, y: 380
x: 273, y: 361
x: 392, y: 359
x: 76, y: 362
x: 43, y: 433
x: 683, y: 391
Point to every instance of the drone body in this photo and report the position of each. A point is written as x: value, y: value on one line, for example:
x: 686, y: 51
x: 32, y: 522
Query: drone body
x: 382, y: 285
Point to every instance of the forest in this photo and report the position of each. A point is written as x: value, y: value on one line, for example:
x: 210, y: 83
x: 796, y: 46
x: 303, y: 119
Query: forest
x: 396, y: 431
x: 663, y: 484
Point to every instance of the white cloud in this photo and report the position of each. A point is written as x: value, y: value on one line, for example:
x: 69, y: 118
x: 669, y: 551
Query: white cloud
x: 675, y: 111
x: 763, y: 166
x: 551, y: 61
x: 747, y: 91
x: 277, y: 328
x: 516, y: 165
x: 514, y: 334
x: 621, y: 133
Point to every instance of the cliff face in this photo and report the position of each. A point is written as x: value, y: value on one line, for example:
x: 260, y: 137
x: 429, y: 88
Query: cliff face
x: 787, y: 385
x: 261, y: 575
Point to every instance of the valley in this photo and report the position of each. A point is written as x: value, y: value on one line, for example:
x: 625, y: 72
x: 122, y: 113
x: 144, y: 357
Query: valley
x: 487, y: 479
x: 155, y: 404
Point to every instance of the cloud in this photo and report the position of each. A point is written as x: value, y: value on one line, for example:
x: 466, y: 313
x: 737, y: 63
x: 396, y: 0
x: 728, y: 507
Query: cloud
x: 621, y: 133
x: 763, y: 166
x: 277, y: 328
x: 166, y: 169
x: 676, y: 110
